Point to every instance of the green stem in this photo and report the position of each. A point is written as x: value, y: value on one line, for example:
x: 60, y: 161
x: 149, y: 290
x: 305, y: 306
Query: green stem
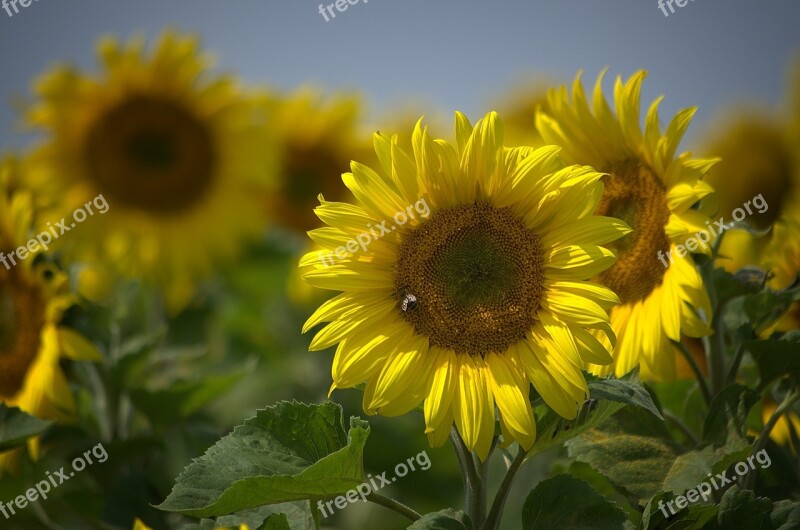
x: 495, y: 514
x: 716, y: 355
x: 737, y: 362
x: 468, y: 473
x: 394, y: 505
x: 701, y: 380
x: 681, y: 427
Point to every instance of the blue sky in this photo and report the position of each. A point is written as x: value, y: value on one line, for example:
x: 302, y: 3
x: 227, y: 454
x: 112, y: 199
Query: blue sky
x: 446, y: 53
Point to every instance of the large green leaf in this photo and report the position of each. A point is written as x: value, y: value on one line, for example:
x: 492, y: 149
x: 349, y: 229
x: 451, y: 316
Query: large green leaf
x: 566, y: 502
x: 636, y: 463
x: 16, y: 427
x: 443, y: 520
x: 288, y: 452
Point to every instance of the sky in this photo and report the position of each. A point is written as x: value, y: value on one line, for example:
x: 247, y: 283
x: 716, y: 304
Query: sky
x: 443, y: 54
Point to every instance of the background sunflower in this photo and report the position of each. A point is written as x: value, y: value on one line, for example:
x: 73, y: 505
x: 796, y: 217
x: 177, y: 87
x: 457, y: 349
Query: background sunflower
x: 178, y: 156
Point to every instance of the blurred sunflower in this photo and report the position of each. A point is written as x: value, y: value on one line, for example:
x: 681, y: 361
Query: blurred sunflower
x: 762, y: 156
x: 176, y: 155
x: 653, y: 191
x: 33, y: 297
x: 316, y: 140
x: 477, y: 290
x: 519, y: 107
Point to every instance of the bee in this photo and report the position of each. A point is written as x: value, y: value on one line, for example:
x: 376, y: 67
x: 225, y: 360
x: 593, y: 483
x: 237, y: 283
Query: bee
x: 409, y: 303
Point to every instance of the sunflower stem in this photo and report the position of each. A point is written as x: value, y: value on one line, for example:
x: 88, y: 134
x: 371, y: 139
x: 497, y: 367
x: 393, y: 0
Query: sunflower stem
x: 394, y: 505
x: 716, y: 357
x: 467, y: 465
x: 701, y: 380
x: 478, y: 496
x: 493, y: 520
x: 681, y: 427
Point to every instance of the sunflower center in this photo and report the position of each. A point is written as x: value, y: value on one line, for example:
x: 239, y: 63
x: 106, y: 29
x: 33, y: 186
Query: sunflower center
x: 635, y: 195
x: 21, y: 320
x: 470, y: 279
x: 307, y: 167
x: 151, y: 154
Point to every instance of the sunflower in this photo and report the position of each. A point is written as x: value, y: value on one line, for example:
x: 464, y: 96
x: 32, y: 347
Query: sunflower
x: 472, y: 285
x: 653, y: 190
x: 179, y: 158
x: 33, y: 298
x: 761, y: 156
x: 316, y: 139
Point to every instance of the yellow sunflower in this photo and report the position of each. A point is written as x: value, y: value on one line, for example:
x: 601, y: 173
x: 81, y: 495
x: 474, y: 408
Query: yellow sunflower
x: 33, y: 298
x: 652, y: 190
x: 178, y: 156
x: 316, y: 139
x: 470, y: 285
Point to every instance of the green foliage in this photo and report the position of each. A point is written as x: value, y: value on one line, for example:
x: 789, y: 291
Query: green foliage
x: 288, y: 452
x: 567, y: 502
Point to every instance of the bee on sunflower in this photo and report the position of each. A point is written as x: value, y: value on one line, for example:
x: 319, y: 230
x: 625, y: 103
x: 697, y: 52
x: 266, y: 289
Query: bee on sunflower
x: 465, y: 308
x: 34, y: 295
x: 179, y: 155
x: 653, y: 190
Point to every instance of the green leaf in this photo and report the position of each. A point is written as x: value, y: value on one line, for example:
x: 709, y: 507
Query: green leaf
x: 624, y: 391
x: 730, y: 406
x: 775, y: 358
x: 444, y: 520
x: 693, y: 517
x: 16, y: 427
x: 288, y: 452
x: 636, y: 463
x: 692, y: 468
x: 566, y: 502
x: 740, y: 509
x: 298, y: 516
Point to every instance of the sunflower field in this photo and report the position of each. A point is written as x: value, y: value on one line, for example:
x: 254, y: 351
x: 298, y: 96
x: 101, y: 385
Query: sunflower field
x: 383, y: 265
